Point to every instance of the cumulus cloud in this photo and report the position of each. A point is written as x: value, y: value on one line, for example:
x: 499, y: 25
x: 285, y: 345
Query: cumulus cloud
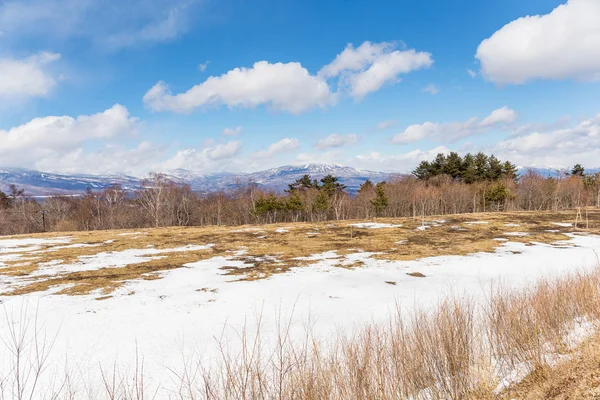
x: 471, y: 73
x: 55, y: 139
x: 336, y: 140
x: 122, y: 24
x: 558, y: 148
x: 559, y: 45
x: 370, y: 66
x: 452, y: 131
x: 386, y: 124
x: 28, y: 77
x: 287, y: 87
x: 284, y: 145
x: 398, y: 162
x: 291, y: 87
x: 431, y: 89
x: 232, y: 131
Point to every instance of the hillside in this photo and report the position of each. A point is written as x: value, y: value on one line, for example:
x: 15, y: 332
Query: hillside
x: 39, y: 183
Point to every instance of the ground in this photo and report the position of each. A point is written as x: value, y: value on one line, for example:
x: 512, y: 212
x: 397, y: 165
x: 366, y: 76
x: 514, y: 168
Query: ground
x: 100, y: 262
x: 171, y: 292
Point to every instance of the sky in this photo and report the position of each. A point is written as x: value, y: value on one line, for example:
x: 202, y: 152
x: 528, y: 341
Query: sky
x: 134, y: 86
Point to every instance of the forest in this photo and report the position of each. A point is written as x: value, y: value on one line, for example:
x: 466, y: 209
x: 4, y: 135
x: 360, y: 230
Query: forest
x: 449, y: 184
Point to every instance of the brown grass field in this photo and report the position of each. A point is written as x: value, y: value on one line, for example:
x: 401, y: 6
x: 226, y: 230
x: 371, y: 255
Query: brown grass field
x: 450, y: 352
x: 272, y: 249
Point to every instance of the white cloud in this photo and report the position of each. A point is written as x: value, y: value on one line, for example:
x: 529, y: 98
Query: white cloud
x: 29, y: 77
x: 291, y: 87
x: 226, y: 150
x: 558, y: 148
x: 562, y: 44
x: 372, y: 65
x: 405, y: 162
x: 287, y: 87
x: 431, y: 89
x: 471, y: 73
x: 202, y: 67
x: 232, y: 131
x: 386, y: 124
x: 284, y: 145
x: 352, y: 59
x: 336, y: 140
x: 122, y: 24
x: 452, y: 131
x: 43, y: 142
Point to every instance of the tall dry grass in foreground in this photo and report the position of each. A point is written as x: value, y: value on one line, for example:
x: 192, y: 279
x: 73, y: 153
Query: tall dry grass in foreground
x: 461, y: 349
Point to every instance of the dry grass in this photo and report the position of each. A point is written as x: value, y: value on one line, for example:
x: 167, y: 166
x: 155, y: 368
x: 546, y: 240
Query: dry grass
x: 268, y: 251
x: 575, y: 379
x: 453, y: 351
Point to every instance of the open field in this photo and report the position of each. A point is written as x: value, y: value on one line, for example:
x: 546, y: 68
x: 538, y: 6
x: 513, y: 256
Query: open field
x: 100, y: 262
x: 174, y: 294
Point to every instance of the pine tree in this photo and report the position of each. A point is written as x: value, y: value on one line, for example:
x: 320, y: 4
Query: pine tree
x: 294, y: 203
x: 578, y: 170
x: 381, y: 201
x: 5, y: 201
x: 509, y: 170
x: 423, y: 171
x: 330, y: 185
x: 453, y: 165
x: 366, y: 186
x: 321, y: 203
x: 439, y: 164
x: 481, y: 166
x: 468, y: 171
x: 303, y: 183
x: 494, y: 168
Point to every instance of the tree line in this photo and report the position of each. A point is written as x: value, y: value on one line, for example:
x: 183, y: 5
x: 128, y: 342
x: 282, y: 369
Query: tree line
x: 446, y: 185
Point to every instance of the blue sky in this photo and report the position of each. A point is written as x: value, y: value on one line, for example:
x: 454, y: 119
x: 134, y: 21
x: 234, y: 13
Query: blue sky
x: 137, y: 86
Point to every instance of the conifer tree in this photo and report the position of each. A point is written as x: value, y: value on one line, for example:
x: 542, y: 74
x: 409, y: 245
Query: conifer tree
x: 381, y: 201
x: 578, y: 170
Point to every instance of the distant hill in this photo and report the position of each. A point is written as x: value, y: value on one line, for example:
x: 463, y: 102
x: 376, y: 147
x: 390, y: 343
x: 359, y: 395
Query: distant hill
x: 37, y: 183
x: 553, y: 172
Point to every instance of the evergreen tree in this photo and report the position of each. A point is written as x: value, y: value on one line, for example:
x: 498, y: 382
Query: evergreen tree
x: 453, y: 165
x: 5, y: 201
x: 497, y: 195
x: 294, y: 203
x: 494, y: 168
x: 303, y: 183
x: 438, y: 165
x: 468, y: 171
x: 423, y: 171
x: 330, y: 185
x: 481, y: 166
x: 269, y: 205
x: 366, y: 186
x: 578, y: 170
x: 321, y: 203
x: 509, y: 170
x: 381, y: 201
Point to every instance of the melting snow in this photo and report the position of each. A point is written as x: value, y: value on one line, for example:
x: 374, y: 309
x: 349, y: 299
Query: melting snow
x: 563, y: 224
x: 169, y: 316
x: 374, y: 225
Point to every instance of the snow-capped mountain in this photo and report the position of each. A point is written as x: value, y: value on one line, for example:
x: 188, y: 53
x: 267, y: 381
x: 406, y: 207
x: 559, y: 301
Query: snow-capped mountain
x: 553, y: 172
x: 38, y: 183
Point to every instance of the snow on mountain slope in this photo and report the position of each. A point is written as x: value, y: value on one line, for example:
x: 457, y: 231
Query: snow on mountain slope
x: 38, y: 183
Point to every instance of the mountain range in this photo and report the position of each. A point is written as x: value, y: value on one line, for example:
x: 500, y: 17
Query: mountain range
x: 37, y: 183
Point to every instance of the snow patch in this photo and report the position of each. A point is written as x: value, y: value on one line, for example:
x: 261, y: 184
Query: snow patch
x: 375, y: 225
